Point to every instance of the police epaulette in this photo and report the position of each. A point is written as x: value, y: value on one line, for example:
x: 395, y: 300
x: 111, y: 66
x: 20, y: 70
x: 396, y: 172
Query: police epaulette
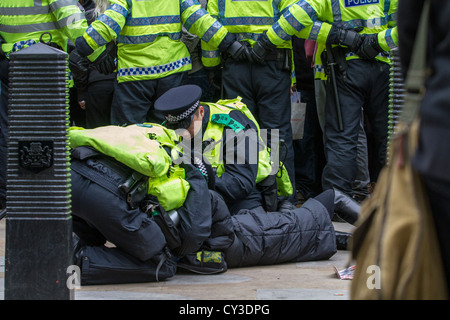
x: 225, y: 119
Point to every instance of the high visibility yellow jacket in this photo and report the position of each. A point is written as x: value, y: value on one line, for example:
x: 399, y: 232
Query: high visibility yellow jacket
x: 140, y: 147
x: 247, y: 20
x: 22, y: 22
x: 214, y: 132
x: 312, y: 19
x: 148, y: 34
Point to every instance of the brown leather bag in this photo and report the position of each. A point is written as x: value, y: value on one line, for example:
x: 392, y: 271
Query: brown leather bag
x: 395, y: 244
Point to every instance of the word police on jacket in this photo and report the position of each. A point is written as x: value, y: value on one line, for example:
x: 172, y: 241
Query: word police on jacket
x: 353, y: 3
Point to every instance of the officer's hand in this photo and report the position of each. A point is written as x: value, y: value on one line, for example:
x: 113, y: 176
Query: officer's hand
x: 79, y: 66
x: 106, y: 63
x: 348, y: 38
x: 239, y: 52
x: 261, y: 49
x: 370, y: 47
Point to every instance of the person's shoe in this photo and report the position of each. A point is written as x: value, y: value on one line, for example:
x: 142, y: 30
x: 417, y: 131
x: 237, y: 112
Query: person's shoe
x: 346, y: 207
x: 204, y: 262
x: 342, y: 240
x: 77, y: 245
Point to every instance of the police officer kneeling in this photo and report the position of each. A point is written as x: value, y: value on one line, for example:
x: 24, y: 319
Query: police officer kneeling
x: 123, y: 181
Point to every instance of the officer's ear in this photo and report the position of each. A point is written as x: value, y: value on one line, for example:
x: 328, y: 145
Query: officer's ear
x: 201, y: 111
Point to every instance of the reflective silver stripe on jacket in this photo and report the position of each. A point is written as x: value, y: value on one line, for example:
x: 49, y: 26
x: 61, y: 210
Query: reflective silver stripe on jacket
x: 37, y: 8
x: 43, y: 26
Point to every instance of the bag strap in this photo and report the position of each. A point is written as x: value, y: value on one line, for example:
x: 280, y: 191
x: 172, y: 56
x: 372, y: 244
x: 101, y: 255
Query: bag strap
x: 416, y: 77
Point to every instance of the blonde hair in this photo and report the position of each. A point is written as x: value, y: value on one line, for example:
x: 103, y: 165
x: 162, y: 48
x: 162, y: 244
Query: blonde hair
x: 100, y: 6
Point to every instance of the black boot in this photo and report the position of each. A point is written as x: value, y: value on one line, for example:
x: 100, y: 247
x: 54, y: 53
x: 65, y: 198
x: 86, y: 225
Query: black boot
x: 346, y: 207
x: 342, y: 240
x: 77, y: 245
x: 203, y: 262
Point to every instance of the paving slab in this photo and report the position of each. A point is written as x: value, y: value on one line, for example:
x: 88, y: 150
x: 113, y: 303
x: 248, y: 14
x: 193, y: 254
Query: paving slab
x: 313, y: 280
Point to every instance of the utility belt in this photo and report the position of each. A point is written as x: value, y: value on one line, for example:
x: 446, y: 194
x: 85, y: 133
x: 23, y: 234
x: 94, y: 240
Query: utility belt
x: 340, y: 55
x: 110, y: 174
x: 339, y: 58
x: 282, y: 56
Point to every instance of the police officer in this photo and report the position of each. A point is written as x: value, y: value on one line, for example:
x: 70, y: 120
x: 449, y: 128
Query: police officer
x: 224, y: 136
x: 265, y: 86
x: 23, y: 23
x: 152, y: 210
x: 151, y: 57
x: 94, y: 85
x: 367, y: 30
x: 212, y: 129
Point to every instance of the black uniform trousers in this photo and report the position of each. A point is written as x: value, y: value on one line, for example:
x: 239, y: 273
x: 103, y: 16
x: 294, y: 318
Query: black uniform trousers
x: 265, y: 89
x: 101, y: 214
x: 98, y: 104
x: 133, y: 100
x: 365, y: 84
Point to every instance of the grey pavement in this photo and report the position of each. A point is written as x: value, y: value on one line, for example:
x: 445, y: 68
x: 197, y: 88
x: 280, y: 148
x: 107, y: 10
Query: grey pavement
x: 315, y: 280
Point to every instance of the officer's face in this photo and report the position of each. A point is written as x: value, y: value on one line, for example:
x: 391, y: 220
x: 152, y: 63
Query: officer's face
x: 195, y: 125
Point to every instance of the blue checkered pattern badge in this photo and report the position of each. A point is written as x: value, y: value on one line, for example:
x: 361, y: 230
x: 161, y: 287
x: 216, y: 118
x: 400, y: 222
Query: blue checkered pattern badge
x: 140, y: 71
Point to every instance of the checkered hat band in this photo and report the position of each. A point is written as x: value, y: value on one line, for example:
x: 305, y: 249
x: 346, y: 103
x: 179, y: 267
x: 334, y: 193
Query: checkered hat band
x: 183, y: 115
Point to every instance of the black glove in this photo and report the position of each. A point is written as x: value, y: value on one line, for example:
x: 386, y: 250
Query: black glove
x: 105, y: 63
x: 348, y: 38
x: 370, y: 47
x: 261, y: 49
x: 239, y: 51
x: 79, y: 66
